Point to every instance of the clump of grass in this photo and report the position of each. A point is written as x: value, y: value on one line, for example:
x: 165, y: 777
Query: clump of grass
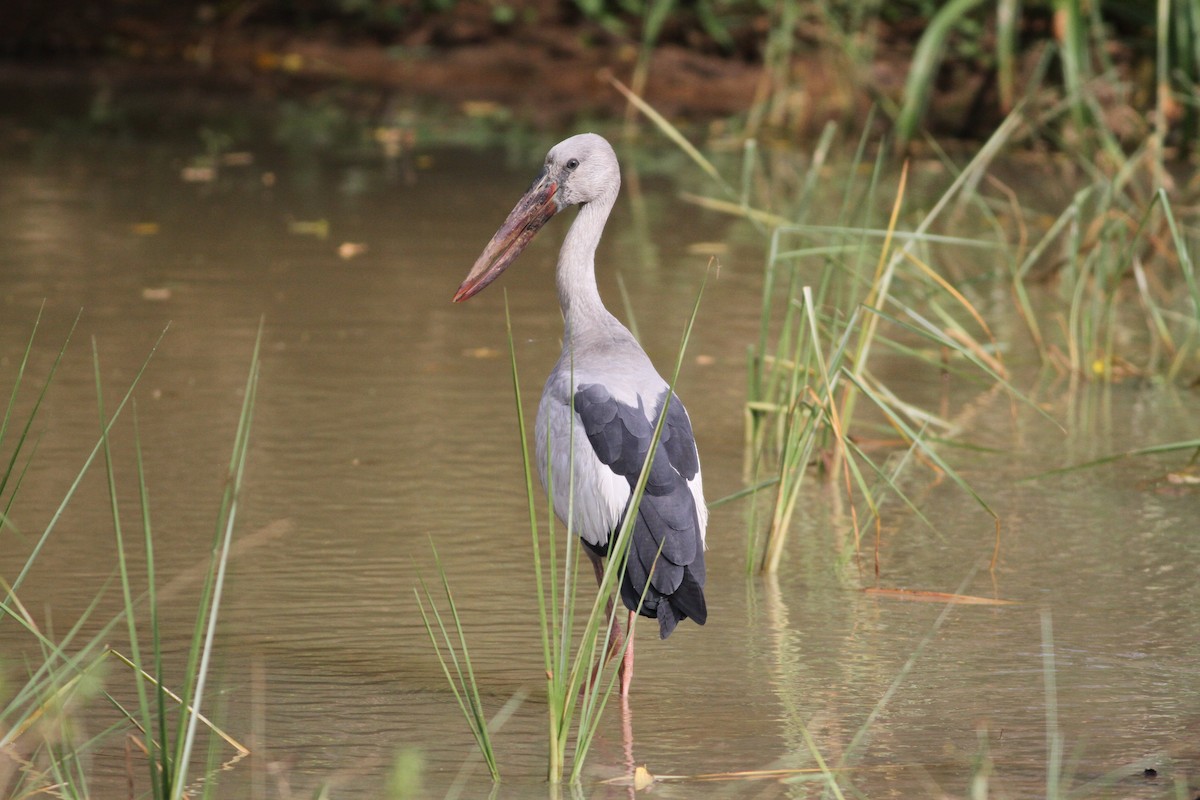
x: 841, y: 294
x: 810, y: 367
x: 462, y: 681
x: 37, y: 724
x: 1120, y: 263
x: 808, y: 378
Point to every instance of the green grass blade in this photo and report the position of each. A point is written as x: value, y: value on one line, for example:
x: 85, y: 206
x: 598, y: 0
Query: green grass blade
x: 927, y: 330
x: 158, y: 754
x: 1186, y: 266
x: 24, y: 706
x: 123, y: 573
x: 1137, y: 452
x: 926, y: 61
x: 204, y: 633
x: 472, y: 685
x: 912, y: 436
x: 37, y: 403
x: 675, y: 135
x: 546, y: 616
x: 463, y: 683
x: 20, y: 579
x: 1007, y: 14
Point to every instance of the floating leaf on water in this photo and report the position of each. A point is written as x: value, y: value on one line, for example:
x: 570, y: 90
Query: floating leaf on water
x: 481, y: 352
x: 642, y: 778
x: 708, y: 248
x: 1184, y: 477
x: 198, y: 173
x: 285, y: 62
x: 394, y: 140
x: 156, y: 293
x: 922, y: 596
x: 390, y: 144
x: 237, y: 159
x: 267, y: 61
x: 704, y: 360
x: 484, y: 109
x: 316, y: 227
x: 348, y: 250
x: 144, y: 228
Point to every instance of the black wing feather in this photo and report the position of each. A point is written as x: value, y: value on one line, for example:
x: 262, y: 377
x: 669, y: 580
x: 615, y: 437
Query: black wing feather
x: 667, y: 521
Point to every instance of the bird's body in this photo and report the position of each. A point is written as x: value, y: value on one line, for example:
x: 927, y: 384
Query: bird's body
x: 612, y: 423
x: 603, y: 399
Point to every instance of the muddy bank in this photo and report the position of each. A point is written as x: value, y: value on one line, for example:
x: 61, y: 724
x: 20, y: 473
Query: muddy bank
x: 547, y: 73
x: 549, y: 77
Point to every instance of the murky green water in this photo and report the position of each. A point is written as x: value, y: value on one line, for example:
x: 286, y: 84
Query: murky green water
x: 385, y: 418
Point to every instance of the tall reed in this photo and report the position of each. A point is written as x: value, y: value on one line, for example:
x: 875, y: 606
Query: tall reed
x: 811, y: 368
x: 35, y: 722
x: 462, y: 681
x: 838, y: 295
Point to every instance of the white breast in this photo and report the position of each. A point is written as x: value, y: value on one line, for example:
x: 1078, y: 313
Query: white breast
x: 600, y: 495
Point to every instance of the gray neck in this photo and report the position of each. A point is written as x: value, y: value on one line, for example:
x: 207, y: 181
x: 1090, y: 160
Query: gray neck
x: 576, y: 275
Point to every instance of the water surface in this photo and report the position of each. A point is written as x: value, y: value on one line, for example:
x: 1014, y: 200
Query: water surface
x: 385, y: 420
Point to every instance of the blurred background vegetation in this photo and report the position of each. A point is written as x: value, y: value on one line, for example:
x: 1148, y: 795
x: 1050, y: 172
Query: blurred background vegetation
x: 953, y: 68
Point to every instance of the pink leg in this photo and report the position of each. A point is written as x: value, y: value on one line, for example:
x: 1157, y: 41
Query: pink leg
x: 597, y: 565
x: 615, y: 638
x: 626, y: 668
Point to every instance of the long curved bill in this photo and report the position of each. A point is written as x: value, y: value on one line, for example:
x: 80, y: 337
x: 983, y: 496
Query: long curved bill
x: 528, y: 216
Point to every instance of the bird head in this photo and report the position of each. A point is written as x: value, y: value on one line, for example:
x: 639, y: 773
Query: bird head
x: 577, y: 170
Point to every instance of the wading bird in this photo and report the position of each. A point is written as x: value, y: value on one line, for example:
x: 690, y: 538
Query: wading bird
x: 602, y: 401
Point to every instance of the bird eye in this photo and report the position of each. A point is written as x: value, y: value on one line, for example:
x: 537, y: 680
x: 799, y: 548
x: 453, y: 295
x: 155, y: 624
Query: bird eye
x: 573, y: 163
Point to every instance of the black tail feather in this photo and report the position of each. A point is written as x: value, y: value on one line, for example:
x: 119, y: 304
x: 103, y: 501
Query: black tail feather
x: 668, y: 618
x: 688, y: 599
